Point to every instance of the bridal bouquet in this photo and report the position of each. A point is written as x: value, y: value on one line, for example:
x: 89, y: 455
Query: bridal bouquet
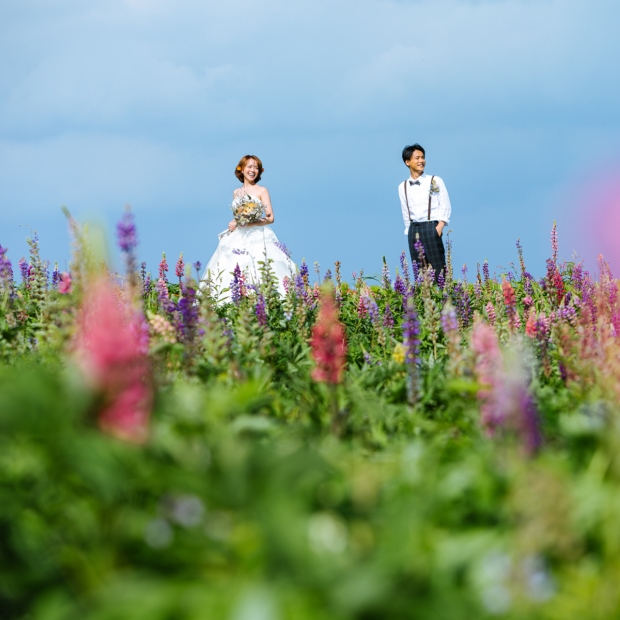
x: 247, y: 209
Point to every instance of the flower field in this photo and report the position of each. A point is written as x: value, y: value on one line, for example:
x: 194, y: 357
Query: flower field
x: 382, y: 449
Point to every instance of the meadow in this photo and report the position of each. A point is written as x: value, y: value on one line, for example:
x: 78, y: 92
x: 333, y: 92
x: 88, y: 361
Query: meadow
x: 387, y: 448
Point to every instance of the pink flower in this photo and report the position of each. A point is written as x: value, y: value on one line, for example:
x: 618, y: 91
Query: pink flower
x: 163, y: 267
x: 64, y: 284
x: 505, y: 400
x: 510, y: 301
x: 180, y: 267
x: 530, y: 326
x: 111, y: 351
x: 485, y: 344
x: 491, y: 313
x: 328, y: 344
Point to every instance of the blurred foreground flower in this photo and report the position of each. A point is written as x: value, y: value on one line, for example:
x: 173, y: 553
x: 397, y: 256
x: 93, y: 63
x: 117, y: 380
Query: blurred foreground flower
x: 328, y: 343
x: 64, y: 283
x: 505, y: 399
x: 111, y: 351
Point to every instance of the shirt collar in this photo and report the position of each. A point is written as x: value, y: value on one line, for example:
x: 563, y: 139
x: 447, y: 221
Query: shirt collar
x: 420, y: 178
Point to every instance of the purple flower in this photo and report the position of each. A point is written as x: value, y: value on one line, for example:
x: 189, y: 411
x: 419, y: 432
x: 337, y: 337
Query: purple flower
x: 373, y: 310
x: 400, y: 286
x: 569, y: 315
x: 388, y: 317
x: 419, y: 248
x: 147, y: 285
x: 126, y: 233
x: 188, y: 312
x: 385, y: 276
x: 282, y: 247
x: 404, y: 265
x: 449, y: 321
x: 55, y: 277
x: 441, y: 281
x: 238, y: 251
x: 464, y: 272
x: 303, y: 271
x: 6, y: 269
x: 416, y: 271
x: 411, y: 341
x: 25, y: 271
x: 461, y: 300
x: 485, y: 272
x: 328, y: 276
x: 299, y: 285
x: 237, y: 286
x: 197, y: 265
x: 260, y: 311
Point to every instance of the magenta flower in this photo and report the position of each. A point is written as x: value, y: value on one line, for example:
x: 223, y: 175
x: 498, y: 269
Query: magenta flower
x: 163, y: 267
x: 180, y: 267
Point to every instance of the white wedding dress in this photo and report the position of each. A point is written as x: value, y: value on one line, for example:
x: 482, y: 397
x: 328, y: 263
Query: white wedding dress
x: 246, y: 246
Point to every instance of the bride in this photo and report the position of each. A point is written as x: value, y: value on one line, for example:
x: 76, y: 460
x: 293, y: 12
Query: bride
x: 245, y: 244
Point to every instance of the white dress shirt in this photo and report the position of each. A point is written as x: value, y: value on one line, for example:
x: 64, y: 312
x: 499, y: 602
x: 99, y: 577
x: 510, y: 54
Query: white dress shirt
x: 418, y: 201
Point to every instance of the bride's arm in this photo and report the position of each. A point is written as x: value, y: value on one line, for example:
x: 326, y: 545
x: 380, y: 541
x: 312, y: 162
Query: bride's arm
x: 266, y: 200
x: 232, y: 224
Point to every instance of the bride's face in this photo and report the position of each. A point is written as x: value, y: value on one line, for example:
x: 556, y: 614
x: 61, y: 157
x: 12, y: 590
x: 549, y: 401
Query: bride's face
x: 250, y: 171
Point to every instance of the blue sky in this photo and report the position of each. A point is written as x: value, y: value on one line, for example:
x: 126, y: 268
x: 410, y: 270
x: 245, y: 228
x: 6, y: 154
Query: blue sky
x: 152, y: 102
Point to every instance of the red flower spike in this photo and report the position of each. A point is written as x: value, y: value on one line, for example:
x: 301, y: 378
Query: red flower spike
x: 328, y: 344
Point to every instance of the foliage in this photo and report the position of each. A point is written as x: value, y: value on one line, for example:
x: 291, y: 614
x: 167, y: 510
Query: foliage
x: 163, y: 455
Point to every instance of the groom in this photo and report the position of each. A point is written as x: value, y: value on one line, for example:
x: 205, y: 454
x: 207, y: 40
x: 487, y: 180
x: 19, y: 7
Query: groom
x: 426, y: 209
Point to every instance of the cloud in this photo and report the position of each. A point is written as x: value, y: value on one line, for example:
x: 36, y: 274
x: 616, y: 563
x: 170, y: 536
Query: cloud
x: 206, y: 67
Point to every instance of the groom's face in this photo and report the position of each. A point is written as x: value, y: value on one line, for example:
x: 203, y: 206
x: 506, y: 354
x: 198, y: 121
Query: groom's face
x: 417, y: 162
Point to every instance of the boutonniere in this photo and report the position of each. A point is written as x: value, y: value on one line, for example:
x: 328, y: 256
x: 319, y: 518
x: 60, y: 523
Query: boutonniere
x: 434, y: 187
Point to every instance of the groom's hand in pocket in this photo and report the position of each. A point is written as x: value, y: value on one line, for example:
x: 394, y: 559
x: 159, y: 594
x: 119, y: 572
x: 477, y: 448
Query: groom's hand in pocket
x: 439, y: 228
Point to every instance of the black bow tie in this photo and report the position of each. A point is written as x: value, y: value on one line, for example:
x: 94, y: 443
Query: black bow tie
x: 414, y: 182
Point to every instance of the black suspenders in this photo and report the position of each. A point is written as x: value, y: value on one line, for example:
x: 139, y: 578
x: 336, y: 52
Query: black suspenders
x: 429, y: 199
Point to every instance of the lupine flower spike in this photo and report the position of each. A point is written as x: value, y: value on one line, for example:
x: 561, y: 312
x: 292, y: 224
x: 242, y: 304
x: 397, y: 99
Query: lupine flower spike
x: 110, y: 350
x: 328, y: 344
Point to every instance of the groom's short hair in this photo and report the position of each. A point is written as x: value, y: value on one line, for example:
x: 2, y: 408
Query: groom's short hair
x: 408, y: 151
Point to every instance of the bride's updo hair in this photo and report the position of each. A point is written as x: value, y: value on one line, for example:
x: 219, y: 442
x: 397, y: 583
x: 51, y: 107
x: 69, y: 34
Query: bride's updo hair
x: 241, y: 165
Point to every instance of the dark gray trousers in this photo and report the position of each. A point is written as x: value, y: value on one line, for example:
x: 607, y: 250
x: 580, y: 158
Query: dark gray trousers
x: 434, y: 252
